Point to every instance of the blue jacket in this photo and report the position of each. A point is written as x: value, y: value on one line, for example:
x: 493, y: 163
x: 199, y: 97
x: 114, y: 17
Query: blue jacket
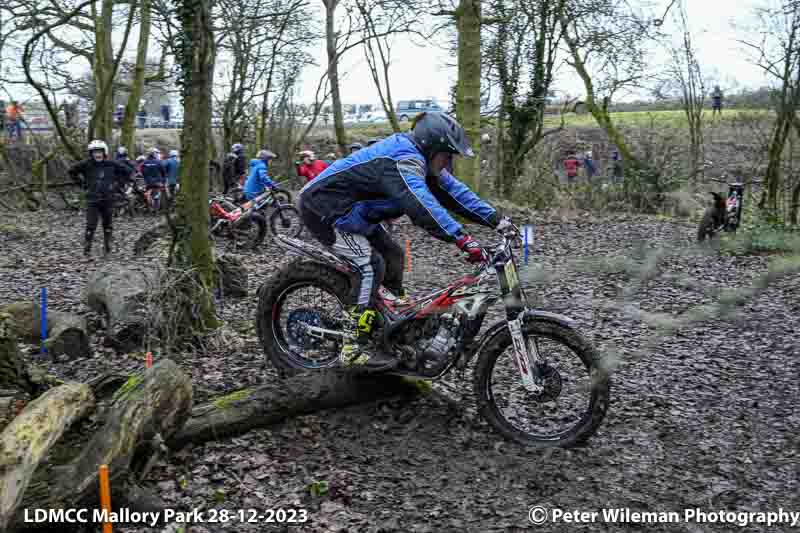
x: 172, y: 165
x: 153, y: 171
x: 387, y: 180
x: 257, y: 180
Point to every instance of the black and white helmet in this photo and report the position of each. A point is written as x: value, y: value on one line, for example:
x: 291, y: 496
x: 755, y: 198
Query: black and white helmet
x: 237, y: 148
x: 122, y: 150
x: 98, y: 145
x: 265, y: 154
x: 435, y: 132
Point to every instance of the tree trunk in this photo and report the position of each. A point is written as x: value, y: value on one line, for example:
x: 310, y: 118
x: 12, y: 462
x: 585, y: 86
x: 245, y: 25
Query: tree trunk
x: 333, y: 73
x: 66, y: 333
x: 244, y: 410
x: 468, y: 95
x: 772, y: 177
x: 192, y: 247
x: 103, y: 71
x: 137, y: 86
x: 148, y: 407
x: 31, y: 435
x: 121, y: 294
x: 12, y: 370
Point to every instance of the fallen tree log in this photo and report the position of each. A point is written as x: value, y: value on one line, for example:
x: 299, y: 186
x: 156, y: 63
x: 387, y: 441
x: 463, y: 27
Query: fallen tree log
x: 248, y: 409
x: 121, y: 294
x: 66, y: 333
x: 151, y: 406
x: 29, y: 437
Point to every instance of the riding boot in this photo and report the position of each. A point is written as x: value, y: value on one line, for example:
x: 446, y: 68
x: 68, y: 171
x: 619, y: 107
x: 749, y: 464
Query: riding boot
x: 87, y: 243
x: 354, y: 352
x: 107, y: 242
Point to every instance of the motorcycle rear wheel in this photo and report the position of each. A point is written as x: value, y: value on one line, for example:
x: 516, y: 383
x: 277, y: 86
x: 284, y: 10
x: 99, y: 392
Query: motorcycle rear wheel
x: 315, y: 293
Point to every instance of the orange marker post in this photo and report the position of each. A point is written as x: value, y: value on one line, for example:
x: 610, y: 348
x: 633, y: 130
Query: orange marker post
x: 408, y: 255
x: 148, y: 360
x: 105, y: 497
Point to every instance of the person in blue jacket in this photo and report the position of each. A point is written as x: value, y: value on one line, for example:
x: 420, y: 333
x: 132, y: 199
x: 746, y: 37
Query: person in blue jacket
x: 154, y: 174
x: 258, y: 179
x: 172, y: 165
x: 404, y: 174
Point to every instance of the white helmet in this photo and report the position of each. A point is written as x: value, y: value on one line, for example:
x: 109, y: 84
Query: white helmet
x: 154, y: 151
x: 265, y: 154
x: 98, y: 145
x: 122, y: 150
x: 173, y: 153
x: 307, y: 153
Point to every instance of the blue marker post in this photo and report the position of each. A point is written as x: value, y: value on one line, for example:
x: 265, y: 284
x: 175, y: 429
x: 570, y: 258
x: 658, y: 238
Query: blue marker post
x: 527, y: 236
x: 44, y: 319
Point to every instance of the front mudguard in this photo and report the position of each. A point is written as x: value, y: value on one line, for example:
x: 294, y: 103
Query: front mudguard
x: 528, y: 315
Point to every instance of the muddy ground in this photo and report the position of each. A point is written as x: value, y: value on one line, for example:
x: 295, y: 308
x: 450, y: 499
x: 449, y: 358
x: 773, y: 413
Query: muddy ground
x: 704, y: 417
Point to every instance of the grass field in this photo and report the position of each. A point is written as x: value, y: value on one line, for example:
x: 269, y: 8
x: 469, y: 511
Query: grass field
x: 673, y: 118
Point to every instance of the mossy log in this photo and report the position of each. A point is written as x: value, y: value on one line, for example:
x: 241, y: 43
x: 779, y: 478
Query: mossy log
x: 121, y: 294
x: 148, y: 407
x: 31, y: 435
x: 66, y: 333
x: 249, y: 409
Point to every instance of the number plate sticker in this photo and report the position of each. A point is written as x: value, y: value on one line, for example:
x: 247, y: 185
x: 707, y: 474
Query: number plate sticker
x: 511, y: 275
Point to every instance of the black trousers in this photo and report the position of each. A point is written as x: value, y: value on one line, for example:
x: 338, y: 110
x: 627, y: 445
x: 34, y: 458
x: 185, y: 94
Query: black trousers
x: 99, y: 210
x: 383, y: 263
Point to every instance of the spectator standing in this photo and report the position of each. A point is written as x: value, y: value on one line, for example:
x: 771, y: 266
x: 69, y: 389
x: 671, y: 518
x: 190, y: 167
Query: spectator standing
x: 588, y: 164
x: 310, y: 167
x: 716, y: 101
x: 165, y: 114
x: 2, y: 116
x: 14, y: 119
x: 173, y: 165
x: 229, y: 172
x: 571, y: 165
x: 142, y: 117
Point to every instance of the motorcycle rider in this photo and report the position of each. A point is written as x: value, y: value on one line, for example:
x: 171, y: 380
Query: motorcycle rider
x: 155, y: 175
x: 310, y: 167
x: 172, y: 166
x: 405, y: 174
x: 122, y: 157
x: 229, y: 172
x: 240, y: 165
x: 259, y: 179
x: 100, y: 179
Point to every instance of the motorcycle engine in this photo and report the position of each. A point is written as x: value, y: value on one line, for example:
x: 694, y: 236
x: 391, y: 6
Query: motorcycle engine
x: 435, y: 348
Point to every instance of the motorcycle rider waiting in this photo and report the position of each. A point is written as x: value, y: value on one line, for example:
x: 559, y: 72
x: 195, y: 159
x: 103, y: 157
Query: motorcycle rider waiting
x: 239, y: 165
x: 259, y: 179
x: 404, y: 174
x: 100, y: 179
x: 172, y: 165
x: 155, y: 176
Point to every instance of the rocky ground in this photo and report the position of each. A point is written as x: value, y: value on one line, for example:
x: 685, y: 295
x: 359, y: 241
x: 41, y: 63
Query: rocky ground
x: 701, y: 417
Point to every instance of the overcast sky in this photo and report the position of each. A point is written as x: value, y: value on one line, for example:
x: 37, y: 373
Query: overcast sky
x: 421, y: 71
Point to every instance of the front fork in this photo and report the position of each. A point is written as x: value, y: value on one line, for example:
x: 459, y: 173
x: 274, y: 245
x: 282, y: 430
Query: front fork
x: 529, y: 360
x: 527, y: 356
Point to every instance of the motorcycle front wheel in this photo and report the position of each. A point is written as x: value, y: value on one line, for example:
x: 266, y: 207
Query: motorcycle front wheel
x: 576, y: 390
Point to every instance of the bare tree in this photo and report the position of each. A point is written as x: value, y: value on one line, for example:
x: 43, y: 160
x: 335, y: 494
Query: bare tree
x: 686, y: 74
x: 778, y: 54
x: 522, y: 46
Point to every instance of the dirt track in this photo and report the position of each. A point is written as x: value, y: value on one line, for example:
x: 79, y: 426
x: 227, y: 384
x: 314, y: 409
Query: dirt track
x: 702, y: 418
